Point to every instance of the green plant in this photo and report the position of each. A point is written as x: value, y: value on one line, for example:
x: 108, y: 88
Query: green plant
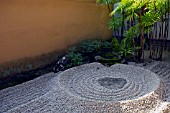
x: 108, y: 61
x: 141, y: 15
x: 75, y: 59
x: 124, y: 48
x: 89, y: 46
x: 106, y: 45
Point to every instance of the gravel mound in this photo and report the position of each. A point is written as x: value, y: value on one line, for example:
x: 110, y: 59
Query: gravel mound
x: 93, y: 88
x: 83, y: 82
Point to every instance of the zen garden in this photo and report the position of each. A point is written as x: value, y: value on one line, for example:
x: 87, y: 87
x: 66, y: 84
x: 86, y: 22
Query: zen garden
x: 127, y: 73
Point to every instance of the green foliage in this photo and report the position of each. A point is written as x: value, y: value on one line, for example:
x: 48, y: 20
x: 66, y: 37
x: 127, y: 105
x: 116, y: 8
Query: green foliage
x: 133, y: 31
x: 78, y: 53
x: 108, y: 61
x: 90, y: 46
x: 124, y: 48
x: 94, y: 46
x: 115, y: 23
x: 75, y: 59
x: 149, y: 18
x: 86, y: 51
x: 141, y: 15
x: 146, y: 12
x: 106, y: 45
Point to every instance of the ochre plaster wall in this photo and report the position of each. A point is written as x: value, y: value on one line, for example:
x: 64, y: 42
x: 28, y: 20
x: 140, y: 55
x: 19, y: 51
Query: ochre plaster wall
x: 30, y: 28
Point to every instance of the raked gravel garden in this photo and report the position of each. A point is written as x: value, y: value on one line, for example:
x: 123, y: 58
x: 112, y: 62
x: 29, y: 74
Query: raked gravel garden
x: 99, y: 76
x: 94, y: 88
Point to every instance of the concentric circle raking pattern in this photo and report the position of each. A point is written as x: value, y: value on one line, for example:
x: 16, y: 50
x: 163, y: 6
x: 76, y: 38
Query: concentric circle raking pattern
x: 116, y: 83
x: 92, y: 88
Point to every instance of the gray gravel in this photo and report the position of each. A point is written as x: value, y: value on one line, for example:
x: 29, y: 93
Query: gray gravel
x: 77, y: 90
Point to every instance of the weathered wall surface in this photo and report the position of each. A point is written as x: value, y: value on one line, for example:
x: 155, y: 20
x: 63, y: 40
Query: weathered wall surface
x: 33, y: 27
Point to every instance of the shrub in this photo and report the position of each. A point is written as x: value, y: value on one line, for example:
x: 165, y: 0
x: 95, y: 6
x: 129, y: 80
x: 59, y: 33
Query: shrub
x: 75, y: 59
x: 89, y: 46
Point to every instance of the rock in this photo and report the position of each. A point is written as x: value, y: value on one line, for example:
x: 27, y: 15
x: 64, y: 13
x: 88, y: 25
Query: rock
x: 61, y: 64
x: 107, y: 61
